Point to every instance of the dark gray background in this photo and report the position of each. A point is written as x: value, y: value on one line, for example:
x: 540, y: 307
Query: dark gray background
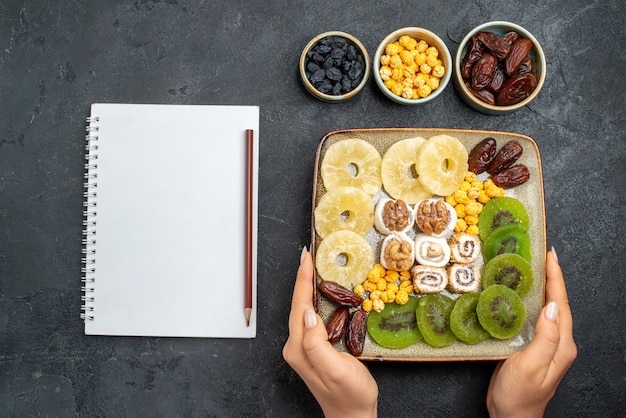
x: 58, y: 57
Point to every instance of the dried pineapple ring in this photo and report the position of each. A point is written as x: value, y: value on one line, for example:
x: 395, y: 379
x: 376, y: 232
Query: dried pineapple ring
x: 352, y: 162
x: 344, y: 257
x: 396, y: 171
x: 344, y: 208
x: 442, y: 164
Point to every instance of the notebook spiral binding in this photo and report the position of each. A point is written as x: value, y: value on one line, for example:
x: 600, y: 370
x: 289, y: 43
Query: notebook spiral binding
x: 90, y: 195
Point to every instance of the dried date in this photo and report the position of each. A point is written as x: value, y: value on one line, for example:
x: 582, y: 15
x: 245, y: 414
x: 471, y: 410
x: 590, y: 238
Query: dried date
x: 484, y: 95
x: 339, y: 294
x: 473, y: 54
x: 520, y: 50
x: 482, y: 155
x: 516, y: 89
x: 483, y: 71
x: 506, y: 157
x: 355, y: 337
x: 497, y: 80
x: 527, y: 66
x: 495, y: 43
x: 510, y: 37
x: 512, y: 176
x: 337, y: 324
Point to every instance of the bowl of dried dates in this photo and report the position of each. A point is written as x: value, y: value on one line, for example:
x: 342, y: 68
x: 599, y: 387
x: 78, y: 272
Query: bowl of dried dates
x: 412, y: 66
x: 334, y: 66
x: 499, y: 67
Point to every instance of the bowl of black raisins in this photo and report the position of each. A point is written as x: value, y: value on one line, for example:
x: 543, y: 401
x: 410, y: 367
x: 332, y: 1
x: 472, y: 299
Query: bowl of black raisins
x: 334, y: 66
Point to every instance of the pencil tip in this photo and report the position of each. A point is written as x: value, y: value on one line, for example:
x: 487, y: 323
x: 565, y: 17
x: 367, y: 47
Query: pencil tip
x: 248, y: 313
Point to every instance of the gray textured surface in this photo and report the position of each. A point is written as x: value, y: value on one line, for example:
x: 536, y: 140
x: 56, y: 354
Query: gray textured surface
x: 58, y: 57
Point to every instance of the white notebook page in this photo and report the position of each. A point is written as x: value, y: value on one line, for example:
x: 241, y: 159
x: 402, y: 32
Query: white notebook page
x: 170, y: 225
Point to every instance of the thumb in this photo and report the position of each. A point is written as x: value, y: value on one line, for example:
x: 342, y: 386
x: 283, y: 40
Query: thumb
x: 315, y: 343
x: 541, y: 350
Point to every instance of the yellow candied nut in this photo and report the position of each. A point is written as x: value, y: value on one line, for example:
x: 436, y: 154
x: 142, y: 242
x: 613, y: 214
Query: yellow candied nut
x: 461, y: 225
x: 471, y: 219
x: 424, y: 91
x: 473, y: 192
x: 395, y: 61
x: 460, y: 210
x: 470, y: 176
x: 367, y: 305
x: 390, y: 83
x: 450, y: 200
x: 477, y: 184
x: 407, y: 42
x: 408, y: 73
x: 432, y: 52
x: 393, y: 48
x: 369, y: 286
x: 433, y: 61
x: 407, y: 93
x: 381, y: 284
x: 408, y: 82
x: 392, y: 287
x: 473, y: 208
x: 422, y: 46
x: 385, y: 72
x: 406, y: 57
x: 378, y: 305
x: 359, y: 290
x: 461, y: 197
x: 388, y: 296
x: 405, y: 275
x: 433, y: 83
x: 420, y: 79
x: 402, y: 297
x: 384, y: 59
x: 397, y: 89
x: 465, y: 186
x: 425, y: 68
x: 439, y: 71
x: 483, y: 197
x: 472, y: 230
x: 492, y: 190
x: 391, y: 276
x: 375, y: 295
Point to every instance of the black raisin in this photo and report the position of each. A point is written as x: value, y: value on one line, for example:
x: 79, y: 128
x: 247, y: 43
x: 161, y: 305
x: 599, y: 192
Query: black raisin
x: 333, y: 74
x: 318, y: 76
x: 312, y: 67
x: 355, y: 71
x: 337, y: 89
x: 323, y: 49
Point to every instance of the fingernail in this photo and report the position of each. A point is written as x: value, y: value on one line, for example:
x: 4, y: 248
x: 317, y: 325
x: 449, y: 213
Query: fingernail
x: 310, y: 318
x: 552, y: 311
x: 555, y: 256
x: 304, y: 251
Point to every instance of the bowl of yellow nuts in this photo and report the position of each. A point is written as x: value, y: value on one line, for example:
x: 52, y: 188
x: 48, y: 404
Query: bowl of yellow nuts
x: 412, y: 66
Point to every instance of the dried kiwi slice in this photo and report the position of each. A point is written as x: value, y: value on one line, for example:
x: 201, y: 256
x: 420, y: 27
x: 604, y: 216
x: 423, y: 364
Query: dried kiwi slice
x: 464, y: 320
x: 433, y: 319
x: 501, y: 311
x: 395, y: 326
x: 511, y: 270
x: 507, y: 239
x: 502, y: 211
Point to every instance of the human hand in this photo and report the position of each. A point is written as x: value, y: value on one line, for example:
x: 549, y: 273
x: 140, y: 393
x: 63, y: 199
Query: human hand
x: 524, y: 383
x: 340, y: 383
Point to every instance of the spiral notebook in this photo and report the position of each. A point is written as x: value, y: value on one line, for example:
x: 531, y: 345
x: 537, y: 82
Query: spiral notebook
x: 164, y: 225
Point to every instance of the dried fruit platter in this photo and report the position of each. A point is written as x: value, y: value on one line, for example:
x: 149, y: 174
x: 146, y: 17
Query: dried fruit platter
x: 530, y: 194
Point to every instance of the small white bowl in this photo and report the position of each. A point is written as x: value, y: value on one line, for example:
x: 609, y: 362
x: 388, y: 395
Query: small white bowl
x: 305, y: 73
x: 418, y: 34
x: 500, y: 28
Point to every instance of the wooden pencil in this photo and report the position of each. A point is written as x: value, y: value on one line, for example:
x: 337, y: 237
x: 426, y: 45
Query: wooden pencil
x: 249, y: 223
